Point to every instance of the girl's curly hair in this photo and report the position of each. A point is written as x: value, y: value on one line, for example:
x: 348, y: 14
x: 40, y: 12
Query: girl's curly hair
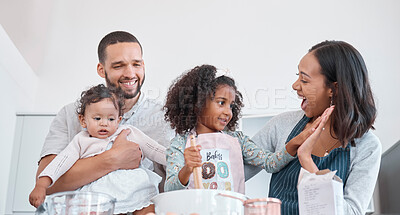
x: 98, y: 93
x: 187, y: 96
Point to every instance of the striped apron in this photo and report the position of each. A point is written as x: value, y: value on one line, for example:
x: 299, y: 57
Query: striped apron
x: 283, y: 184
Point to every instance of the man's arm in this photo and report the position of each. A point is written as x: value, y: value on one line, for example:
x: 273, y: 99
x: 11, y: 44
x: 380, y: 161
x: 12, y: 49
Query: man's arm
x: 123, y: 155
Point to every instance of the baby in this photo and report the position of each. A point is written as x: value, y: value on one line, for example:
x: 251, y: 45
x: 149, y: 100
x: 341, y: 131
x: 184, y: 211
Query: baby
x: 100, y: 111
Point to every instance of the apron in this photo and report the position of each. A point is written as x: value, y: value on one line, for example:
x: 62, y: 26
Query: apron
x: 283, y: 184
x: 222, y: 167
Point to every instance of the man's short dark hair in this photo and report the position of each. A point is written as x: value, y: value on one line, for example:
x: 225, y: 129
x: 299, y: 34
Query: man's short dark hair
x: 113, y: 38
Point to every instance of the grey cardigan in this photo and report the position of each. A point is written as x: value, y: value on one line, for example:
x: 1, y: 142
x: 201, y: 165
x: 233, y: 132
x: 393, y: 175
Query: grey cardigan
x: 364, y: 159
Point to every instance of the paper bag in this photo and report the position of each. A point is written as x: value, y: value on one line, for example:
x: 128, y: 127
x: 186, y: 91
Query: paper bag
x: 320, y: 193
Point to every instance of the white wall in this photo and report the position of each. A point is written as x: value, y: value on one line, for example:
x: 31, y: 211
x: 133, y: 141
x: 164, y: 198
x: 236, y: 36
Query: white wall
x: 260, y: 41
x: 18, y: 86
x: 26, y: 23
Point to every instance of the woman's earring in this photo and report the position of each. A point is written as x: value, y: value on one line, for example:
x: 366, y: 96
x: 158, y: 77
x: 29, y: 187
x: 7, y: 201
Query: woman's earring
x: 331, y: 101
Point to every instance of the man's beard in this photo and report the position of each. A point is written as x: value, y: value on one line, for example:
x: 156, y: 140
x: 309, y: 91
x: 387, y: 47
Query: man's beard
x: 125, y: 94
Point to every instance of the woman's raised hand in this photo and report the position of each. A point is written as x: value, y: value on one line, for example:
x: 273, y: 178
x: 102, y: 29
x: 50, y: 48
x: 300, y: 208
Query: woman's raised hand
x: 296, y: 142
x: 304, y: 151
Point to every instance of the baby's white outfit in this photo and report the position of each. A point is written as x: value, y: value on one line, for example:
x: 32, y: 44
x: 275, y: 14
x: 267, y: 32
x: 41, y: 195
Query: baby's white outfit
x: 132, y: 188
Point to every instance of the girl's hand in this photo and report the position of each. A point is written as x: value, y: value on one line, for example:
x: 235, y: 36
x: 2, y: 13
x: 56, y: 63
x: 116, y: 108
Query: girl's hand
x: 304, y: 151
x: 192, y: 159
x: 295, y: 143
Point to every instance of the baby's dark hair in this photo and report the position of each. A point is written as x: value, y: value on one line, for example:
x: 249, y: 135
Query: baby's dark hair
x: 98, y: 93
x: 187, y: 97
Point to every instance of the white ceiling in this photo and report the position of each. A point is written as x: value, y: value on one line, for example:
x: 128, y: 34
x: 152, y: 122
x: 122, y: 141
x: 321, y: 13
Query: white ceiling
x: 26, y: 23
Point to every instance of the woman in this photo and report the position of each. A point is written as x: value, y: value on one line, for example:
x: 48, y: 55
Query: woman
x: 331, y: 73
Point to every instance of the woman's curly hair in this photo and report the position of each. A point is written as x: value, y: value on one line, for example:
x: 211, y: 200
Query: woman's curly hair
x: 98, y: 93
x: 187, y: 97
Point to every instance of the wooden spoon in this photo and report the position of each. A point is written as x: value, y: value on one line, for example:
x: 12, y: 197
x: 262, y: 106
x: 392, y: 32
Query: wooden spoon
x: 196, y: 170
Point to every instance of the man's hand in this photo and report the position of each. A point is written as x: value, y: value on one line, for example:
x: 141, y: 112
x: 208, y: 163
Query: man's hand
x: 124, y: 154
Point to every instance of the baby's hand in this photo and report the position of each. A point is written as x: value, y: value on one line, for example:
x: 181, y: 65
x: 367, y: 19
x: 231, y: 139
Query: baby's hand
x: 192, y: 157
x: 37, y: 196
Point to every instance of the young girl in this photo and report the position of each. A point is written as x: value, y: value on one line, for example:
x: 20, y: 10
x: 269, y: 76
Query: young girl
x: 100, y: 111
x: 208, y: 106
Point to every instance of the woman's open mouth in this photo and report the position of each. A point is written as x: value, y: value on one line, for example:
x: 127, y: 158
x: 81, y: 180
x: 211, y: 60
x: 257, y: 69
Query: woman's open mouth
x: 304, y: 103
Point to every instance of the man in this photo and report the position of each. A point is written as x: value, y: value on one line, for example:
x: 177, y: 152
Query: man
x: 122, y: 66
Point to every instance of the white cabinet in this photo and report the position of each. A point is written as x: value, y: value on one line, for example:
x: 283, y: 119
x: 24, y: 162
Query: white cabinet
x: 30, y: 132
